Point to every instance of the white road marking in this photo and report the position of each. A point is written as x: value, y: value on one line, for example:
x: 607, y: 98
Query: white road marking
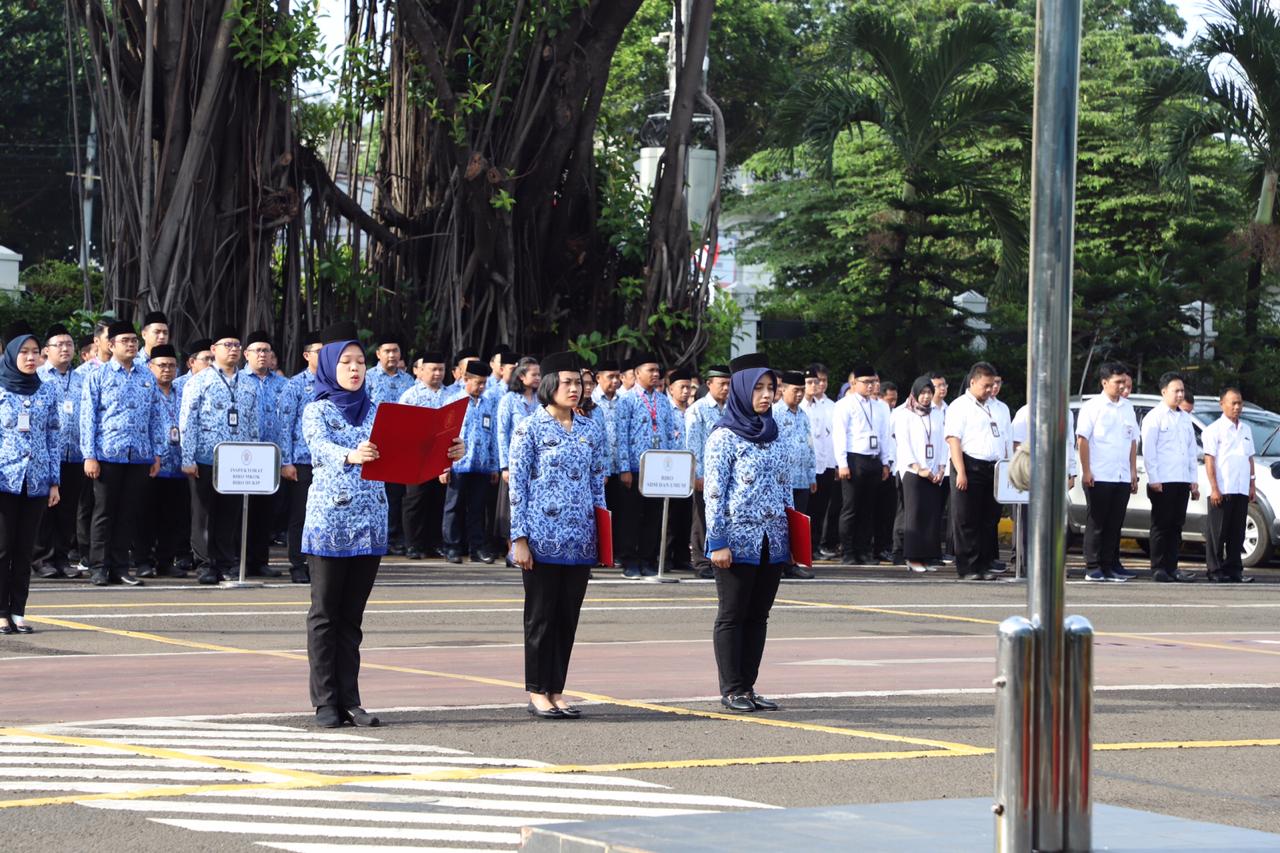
x: 561, y: 792
x: 307, y: 847
x: 883, y: 661
x: 331, y: 831
x: 318, y: 813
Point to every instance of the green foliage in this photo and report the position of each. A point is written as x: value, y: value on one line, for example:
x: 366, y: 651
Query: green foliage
x: 351, y: 283
x: 53, y: 293
x: 276, y: 45
x: 591, y: 346
x: 721, y: 323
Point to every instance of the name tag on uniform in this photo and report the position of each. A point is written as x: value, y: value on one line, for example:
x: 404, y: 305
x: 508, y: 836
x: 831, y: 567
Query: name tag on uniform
x: 24, y: 422
x: 928, y: 451
x: 233, y: 418
x: 875, y: 443
x: 68, y: 407
x: 173, y: 435
x: 486, y: 421
x: 995, y: 430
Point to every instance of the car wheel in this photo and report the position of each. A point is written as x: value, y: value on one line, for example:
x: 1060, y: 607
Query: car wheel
x: 1257, y: 541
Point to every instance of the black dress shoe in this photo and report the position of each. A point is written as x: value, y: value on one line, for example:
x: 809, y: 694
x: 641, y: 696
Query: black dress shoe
x: 549, y: 714
x: 761, y: 703
x: 741, y: 703
x: 362, y: 718
x: 329, y: 717
x: 569, y: 712
x: 49, y: 572
x: 297, y: 575
x: 208, y: 578
x: 1161, y: 576
x: 454, y: 558
x: 413, y: 554
x: 799, y: 573
x: 263, y: 571
x: 483, y: 557
x: 125, y: 578
x: 98, y: 578
x: 707, y: 573
x: 24, y: 628
x: 147, y: 572
x: 395, y: 550
x: 978, y: 576
x: 1242, y: 579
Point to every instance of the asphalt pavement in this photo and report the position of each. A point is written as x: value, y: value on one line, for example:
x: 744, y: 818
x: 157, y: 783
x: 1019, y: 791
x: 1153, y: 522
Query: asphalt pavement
x: 174, y: 717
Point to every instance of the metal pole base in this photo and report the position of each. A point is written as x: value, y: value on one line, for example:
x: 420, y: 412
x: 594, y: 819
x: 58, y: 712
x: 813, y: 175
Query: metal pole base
x: 240, y: 585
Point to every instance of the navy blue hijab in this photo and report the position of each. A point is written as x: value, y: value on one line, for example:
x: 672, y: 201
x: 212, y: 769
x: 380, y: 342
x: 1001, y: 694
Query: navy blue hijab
x: 354, y: 405
x: 740, y: 416
x: 12, y: 379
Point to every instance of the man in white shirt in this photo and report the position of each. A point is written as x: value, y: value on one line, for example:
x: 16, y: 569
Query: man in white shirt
x: 887, y: 547
x: 1107, y: 440
x: 1228, y: 463
x: 860, y: 441
x: 976, y: 444
x: 1169, y: 453
x: 824, y: 504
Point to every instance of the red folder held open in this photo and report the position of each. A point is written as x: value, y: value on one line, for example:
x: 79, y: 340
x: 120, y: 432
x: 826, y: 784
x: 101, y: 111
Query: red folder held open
x: 798, y: 531
x: 604, y: 536
x: 413, y: 442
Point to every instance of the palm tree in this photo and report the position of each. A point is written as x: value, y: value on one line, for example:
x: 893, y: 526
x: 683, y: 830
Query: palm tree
x: 931, y: 96
x: 1228, y: 93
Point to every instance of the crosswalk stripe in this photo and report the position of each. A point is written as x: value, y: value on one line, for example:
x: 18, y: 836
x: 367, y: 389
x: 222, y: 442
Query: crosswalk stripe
x: 309, y: 847
x: 315, y: 813
x: 214, y: 734
x: 304, y: 830
x: 181, y: 776
x: 561, y: 792
x: 541, y: 806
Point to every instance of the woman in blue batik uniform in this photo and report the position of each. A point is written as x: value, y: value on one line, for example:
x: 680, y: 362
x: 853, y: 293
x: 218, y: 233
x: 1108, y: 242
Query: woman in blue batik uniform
x: 557, y: 465
x: 345, y: 531
x: 30, y: 455
x: 747, y: 487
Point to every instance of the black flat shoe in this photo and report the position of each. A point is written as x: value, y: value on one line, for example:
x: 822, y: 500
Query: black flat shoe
x: 6, y: 628
x: 362, y: 718
x: 329, y: 717
x: 549, y: 714
x: 763, y: 704
x: 24, y: 629
x: 742, y: 703
x: 569, y: 712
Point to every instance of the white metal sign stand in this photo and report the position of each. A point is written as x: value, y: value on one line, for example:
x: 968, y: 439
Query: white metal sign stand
x: 245, y: 468
x: 666, y: 474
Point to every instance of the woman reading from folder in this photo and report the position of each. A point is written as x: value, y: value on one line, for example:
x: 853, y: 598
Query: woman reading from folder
x: 557, y: 470
x: 747, y: 488
x: 345, y: 531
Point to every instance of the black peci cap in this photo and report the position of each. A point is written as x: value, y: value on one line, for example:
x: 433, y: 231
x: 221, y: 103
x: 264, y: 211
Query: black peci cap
x: 154, y: 317
x: 54, y: 331
x: 465, y: 354
x: 749, y: 362
x: 863, y: 368
x: 643, y: 358
x: 257, y: 337
x: 223, y: 332
x: 791, y: 377
x: 681, y: 374
x: 559, y: 361
x: 310, y: 339
x: 120, y: 327
x: 198, y: 345
x: 163, y: 351
x: 717, y: 370
x: 343, y: 330
x: 476, y: 367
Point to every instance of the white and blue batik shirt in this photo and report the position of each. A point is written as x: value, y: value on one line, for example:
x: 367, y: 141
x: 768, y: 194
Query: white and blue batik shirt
x: 346, y: 515
x: 747, y: 489
x: 297, y: 392
x: 119, y: 421
x: 796, y: 442
x: 70, y: 387
x: 204, y: 417
x: 30, y: 458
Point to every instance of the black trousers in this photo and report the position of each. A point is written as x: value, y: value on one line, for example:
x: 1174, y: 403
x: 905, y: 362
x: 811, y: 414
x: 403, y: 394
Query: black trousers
x: 117, y: 495
x: 215, y: 525
x: 423, y: 513
x: 162, y: 534
x: 921, y: 519
x: 859, y: 494
x: 886, y: 513
x: 84, y: 518
x: 57, y: 535
x: 679, y: 526
x: 698, y: 532
x: 552, y: 602
x: 623, y: 502
x: 900, y: 517
x: 975, y: 514
x: 395, y: 514
x: 835, y: 508
x: 819, y: 503
x: 1168, y: 514
x: 647, y: 518
x: 745, y: 594
x: 298, y: 514
x: 465, y: 503
x: 800, y: 497
x: 1224, y: 536
x: 340, y: 588
x: 1106, y: 503
x: 262, y: 516
x: 19, y: 523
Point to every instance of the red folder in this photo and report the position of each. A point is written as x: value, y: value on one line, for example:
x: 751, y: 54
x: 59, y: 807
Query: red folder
x: 799, y: 532
x: 413, y: 442
x: 604, y: 536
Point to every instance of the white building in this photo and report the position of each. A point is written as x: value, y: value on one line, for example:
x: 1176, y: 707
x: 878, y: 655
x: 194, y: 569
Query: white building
x: 10, y: 261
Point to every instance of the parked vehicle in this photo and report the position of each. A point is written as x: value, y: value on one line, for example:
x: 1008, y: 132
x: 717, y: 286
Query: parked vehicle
x: 1262, y: 530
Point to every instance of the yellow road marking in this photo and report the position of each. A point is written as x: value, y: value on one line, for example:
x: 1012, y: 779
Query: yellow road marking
x: 1197, y: 644
x: 154, y: 752
x: 497, y: 682
x: 135, y: 605
x: 463, y: 774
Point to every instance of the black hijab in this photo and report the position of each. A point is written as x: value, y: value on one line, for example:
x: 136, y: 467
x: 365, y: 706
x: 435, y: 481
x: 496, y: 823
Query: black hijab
x: 740, y: 416
x: 922, y: 381
x: 12, y: 379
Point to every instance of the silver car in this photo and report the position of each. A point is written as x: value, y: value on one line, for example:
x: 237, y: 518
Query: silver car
x: 1262, y: 529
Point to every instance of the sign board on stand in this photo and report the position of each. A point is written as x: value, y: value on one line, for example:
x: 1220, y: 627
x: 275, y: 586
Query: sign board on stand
x: 666, y: 474
x: 245, y: 468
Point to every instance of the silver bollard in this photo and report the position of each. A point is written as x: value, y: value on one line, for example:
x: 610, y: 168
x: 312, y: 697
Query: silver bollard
x: 1077, y: 737
x: 1015, y: 735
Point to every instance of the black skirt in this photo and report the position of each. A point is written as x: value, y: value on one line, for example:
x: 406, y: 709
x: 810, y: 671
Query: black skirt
x: 922, y: 511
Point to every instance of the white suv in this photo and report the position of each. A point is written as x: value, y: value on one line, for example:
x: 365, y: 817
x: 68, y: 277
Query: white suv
x: 1262, y: 529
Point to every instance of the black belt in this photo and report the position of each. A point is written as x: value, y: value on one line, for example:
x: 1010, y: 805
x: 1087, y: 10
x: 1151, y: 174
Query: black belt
x: 970, y: 460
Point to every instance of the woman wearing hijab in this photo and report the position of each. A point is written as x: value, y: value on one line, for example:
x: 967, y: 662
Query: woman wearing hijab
x: 30, y: 453
x: 747, y: 489
x: 922, y: 457
x: 345, y: 531
x: 558, y: 463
